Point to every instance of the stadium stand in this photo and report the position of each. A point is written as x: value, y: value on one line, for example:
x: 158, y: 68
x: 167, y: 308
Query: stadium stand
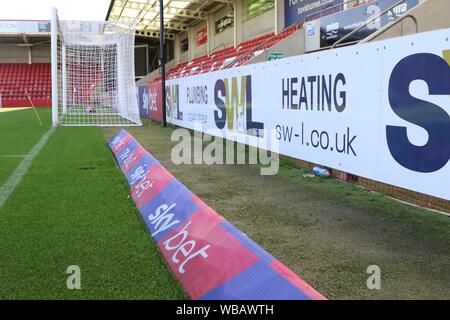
x: 289, y: 39
x: 16, y: 79
x: 25, y: 63
x: 229, y: 56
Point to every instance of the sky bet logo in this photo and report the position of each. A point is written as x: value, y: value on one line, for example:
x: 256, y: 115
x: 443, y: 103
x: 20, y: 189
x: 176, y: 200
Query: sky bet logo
x: 145, y: 103
x: 435, y: 71
x: 235, y: 106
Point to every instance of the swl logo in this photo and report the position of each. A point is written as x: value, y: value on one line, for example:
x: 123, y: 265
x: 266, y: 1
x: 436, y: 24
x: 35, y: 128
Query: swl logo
x: 435, y: 119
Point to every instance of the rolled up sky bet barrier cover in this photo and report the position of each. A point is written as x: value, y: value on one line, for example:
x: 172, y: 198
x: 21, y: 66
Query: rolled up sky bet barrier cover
x: 210, y: 257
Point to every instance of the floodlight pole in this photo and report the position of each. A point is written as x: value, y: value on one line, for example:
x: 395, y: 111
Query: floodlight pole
x: 161, y: 60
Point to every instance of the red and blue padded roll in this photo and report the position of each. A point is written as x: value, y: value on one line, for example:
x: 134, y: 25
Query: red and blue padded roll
x: 210, y: 257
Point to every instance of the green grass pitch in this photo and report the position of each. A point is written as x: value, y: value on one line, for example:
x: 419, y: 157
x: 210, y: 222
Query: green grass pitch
x: 72, y: 208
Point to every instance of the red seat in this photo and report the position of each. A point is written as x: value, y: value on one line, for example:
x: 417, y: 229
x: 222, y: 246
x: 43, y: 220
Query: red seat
x: 216, y: 60
x: 16, y: 78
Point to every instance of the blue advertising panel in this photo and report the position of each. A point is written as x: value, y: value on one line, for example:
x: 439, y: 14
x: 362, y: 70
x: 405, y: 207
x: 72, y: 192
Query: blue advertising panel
x: 297, y: 10
x: 143, y: 101
x: 336, y: 26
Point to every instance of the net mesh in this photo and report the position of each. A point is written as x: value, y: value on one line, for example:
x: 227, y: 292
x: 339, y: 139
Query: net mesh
x: 95, y: 72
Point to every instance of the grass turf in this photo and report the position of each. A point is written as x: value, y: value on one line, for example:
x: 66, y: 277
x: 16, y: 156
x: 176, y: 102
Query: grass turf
x: 325, y: 231
x: 73, y: 208
x: 19, y: 132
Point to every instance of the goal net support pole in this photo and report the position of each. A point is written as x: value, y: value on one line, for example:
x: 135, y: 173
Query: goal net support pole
x: 64, y: 76
x: 54, y: 60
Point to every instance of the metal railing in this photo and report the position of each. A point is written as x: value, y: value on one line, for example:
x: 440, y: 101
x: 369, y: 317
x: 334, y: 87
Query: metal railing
x: 210, y: 51
x: 299, y: 24
x: 261, y: 45
x: 348, y: 35
x: 345, y: 44
x: 296, y: 26
x: 392, y: 24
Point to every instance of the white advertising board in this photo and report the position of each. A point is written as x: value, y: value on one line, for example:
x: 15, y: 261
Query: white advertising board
x: 379, y: 110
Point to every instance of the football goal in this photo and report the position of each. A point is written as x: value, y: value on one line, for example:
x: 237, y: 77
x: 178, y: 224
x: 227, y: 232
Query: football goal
x: 93, y: 73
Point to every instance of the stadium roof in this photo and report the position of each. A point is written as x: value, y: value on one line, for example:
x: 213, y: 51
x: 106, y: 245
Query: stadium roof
x: 24, y: 39
x: 90, y: 10
x: 179, y: 15
x: 24, y: 32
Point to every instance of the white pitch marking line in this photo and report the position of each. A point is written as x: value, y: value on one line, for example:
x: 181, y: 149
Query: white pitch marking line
x: 14, y: 156
x: 15, y: 177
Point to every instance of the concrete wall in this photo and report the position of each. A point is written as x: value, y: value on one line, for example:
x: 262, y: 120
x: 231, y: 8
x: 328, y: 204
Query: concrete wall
x: 13, y: 54
x: 269, y: 21
x: 197, y: 50
x: 18, y: 54
x: 225, y: 37
x: 259, y: 25
x: 279, y: 18
x: 176, y: 48
x: 256, y: 26
x: 180, y: 56
x: 291, y: 46
x: 41, y: 54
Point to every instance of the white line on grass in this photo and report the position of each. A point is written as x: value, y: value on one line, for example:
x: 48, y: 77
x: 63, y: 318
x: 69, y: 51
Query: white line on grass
x: 15, y: 178
x: 13, y: 156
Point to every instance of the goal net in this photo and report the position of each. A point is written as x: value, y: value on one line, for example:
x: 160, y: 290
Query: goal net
x: 93, y: 73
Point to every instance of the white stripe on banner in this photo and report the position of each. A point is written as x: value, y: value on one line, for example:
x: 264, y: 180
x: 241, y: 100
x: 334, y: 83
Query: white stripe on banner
x: 15, y: 178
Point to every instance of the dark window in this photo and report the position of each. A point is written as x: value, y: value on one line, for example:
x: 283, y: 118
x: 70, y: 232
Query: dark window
x: 184, y: 45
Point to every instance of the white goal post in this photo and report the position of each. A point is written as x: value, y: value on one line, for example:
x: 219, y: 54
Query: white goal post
x: 93, y: 73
